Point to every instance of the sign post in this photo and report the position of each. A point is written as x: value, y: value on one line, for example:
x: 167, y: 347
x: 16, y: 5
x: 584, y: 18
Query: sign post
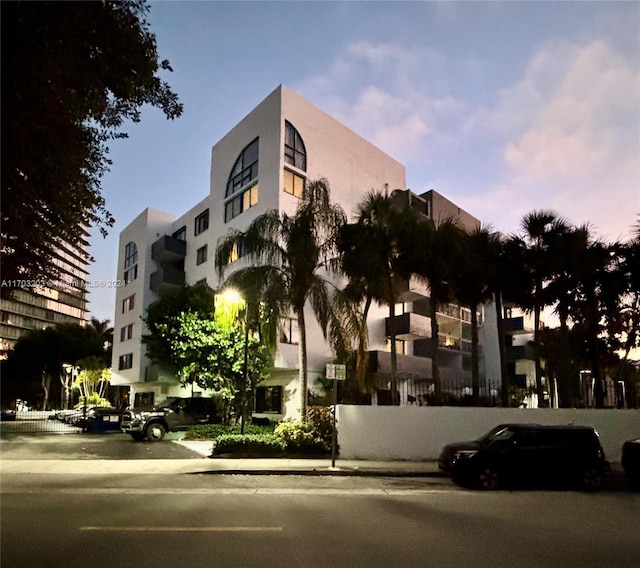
x: 336, y: 373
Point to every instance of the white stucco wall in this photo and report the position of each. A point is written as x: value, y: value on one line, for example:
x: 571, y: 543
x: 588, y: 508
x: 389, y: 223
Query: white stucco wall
x: 419, y: 433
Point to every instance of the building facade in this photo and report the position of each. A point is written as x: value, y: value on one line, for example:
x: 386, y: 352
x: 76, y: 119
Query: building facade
x: 48, y: 303
x: 262, y: 164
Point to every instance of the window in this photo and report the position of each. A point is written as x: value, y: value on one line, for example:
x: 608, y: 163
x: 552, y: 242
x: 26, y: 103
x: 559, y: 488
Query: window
x: 242, y: 187
x: 126, y: 332
x: 248, y: 198
x: 294, y: 150
x: 289, y: 331
x: 292, y: 183
x: 128, y: 304
x: 238, y: 251
x: 201, y: 255
x: 131, y: 274
x: 130, y: 262
x: 130, y: 254
x: 269, y: 399
x: 245, y: 170
x: 202, y: 223
x: 125, y: 361
x: 180, y: 234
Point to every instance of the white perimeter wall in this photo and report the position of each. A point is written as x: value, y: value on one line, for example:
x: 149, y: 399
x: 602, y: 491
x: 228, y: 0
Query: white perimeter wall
x: 419, y: 433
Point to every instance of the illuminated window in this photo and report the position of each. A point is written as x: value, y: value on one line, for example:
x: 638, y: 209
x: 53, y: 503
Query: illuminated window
x: 294, y: 150
x: 248, y: 198
x: 292, y: 183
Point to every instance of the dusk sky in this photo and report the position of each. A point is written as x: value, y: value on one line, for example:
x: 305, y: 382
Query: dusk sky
x: 502, y: 107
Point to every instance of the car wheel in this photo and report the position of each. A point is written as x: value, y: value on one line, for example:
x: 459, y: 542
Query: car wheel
x: 592, y: 478
x: 488, y: 478
x: 138, y: 436
x: 155, y: 432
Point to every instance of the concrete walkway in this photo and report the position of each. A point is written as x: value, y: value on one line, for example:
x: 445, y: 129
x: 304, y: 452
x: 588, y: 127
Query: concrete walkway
x: 206, y: 465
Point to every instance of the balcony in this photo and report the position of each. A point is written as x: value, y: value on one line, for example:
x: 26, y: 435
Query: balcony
x: 168, y: 249
x: 409, y: 326
x: 168, y: 275
x: 515, y: 326
x: 520, y: 352
x: 408, y: 366
x: 410, y: 290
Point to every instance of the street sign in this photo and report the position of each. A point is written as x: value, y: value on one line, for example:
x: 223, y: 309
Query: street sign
x: 336, y: 372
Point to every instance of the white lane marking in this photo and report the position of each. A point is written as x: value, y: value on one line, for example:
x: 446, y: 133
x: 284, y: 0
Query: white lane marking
x: 181, y: 529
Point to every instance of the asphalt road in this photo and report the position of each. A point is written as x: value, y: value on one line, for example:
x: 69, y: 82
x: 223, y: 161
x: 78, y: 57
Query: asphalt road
x: 271, y: 522
x: 79, y: 446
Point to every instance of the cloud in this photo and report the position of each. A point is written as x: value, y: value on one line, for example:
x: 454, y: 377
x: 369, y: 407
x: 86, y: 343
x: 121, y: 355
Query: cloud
x: 380, y: 91
x: 575, y: 146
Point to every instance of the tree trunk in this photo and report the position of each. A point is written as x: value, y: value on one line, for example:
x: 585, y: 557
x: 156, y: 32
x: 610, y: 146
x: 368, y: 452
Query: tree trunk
x: 435, y: 367
x: 502, y: 347
x: 475, y: 356
x: 302, y: 357
x: 536, y: 347
x: 46, y: 384
x: 394, y: 355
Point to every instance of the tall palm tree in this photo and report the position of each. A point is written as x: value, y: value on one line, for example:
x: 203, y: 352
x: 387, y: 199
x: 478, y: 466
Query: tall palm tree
x: 475, y: 284
x: 436, y: 254
x: 373, y: 252
x: 288, y: 259
x: 539, y: 239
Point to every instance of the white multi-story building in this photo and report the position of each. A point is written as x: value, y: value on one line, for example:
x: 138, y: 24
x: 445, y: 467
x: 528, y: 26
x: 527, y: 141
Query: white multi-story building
x: 262, y: 164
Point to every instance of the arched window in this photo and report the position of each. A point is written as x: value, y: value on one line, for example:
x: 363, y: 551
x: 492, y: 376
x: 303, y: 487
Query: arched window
x: 242, y: 187
x: 130, y: 262
x: 294, y: 150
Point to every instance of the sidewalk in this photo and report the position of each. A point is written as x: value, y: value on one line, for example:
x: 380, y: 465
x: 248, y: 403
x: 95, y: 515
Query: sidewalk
x: 206, y: 465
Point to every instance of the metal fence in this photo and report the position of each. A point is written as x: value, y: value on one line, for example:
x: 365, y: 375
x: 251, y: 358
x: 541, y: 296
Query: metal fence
x: 33, y: 421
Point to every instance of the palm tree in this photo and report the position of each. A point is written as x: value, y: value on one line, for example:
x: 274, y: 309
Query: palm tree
x: 475, y: 284
x: 104, y: 332
x: 373, y: 253
x: 540, y: 233
x: 436, y: 254
x: 289, y: 259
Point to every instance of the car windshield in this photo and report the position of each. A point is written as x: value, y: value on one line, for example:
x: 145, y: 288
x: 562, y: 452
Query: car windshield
x: 499, y: 433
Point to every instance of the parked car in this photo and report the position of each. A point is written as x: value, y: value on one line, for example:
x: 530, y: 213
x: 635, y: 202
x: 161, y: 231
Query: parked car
x: 528, y: 454
x: 8, y: 415
x: 171, y: 415
x: 631, y: 459
x: 101, y: 419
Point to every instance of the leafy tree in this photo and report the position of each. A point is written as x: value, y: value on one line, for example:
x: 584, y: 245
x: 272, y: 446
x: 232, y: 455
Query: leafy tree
x: 288, y: 258
x: 72, y: 74
x: 39, y: 357
x: 92, y: 381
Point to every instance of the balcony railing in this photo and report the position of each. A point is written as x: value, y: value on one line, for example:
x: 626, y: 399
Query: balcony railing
x: 168, y: 249
x: 409, y: 326
x: 167, y: 275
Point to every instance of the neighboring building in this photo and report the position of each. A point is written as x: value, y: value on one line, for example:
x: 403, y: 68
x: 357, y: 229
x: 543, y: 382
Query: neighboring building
x: 262, y: 164
x: 39, y: 305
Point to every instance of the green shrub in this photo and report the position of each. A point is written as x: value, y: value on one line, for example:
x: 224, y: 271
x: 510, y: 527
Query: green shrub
x: 252, y: 444
x: 301, y: 436
x: 213, y: 431
x: 321, y: 418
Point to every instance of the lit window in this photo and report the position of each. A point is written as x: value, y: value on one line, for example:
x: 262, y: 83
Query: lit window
x: 294, y: 150
x: 201, y: 255
x: 201, y: 223
x: 293, y: 183
x: 248, y: 198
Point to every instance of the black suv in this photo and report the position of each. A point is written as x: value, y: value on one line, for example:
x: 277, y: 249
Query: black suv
x: 527, y: 453
x: 171, y: 415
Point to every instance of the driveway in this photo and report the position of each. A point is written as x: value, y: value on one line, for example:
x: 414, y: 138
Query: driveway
x: 78, y: 446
